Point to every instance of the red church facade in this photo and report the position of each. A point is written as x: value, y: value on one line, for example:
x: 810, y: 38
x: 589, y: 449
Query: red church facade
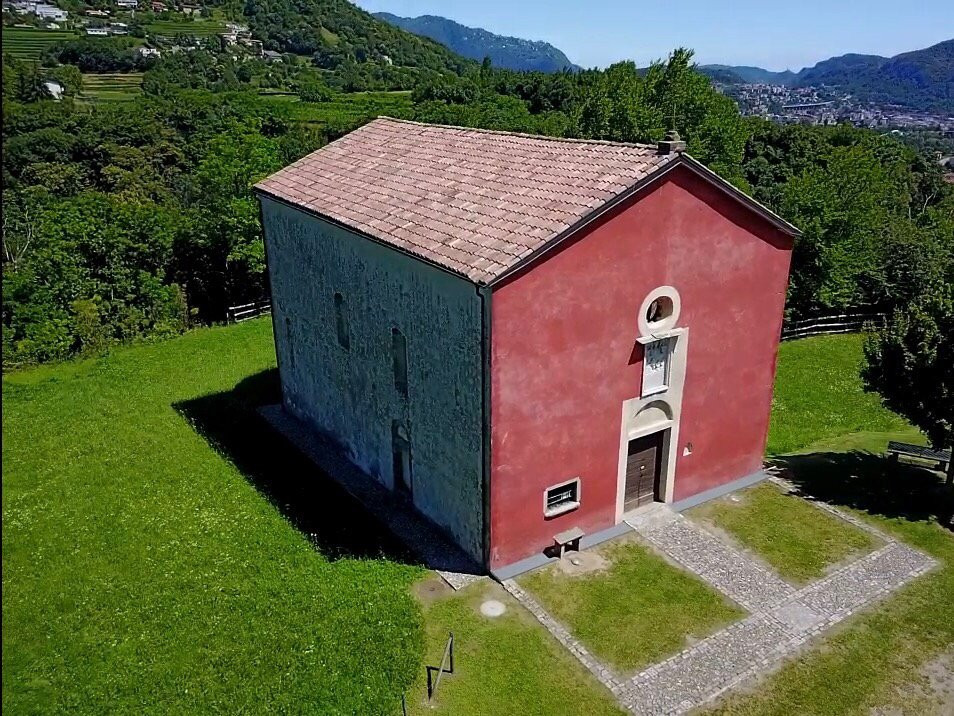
x: 567, y: 362
x: 623, y: 302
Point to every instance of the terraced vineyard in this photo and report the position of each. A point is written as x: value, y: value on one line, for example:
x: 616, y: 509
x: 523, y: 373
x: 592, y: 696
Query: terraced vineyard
x: 111, y: 87
x: 345, y: 111
x: 28, y: 44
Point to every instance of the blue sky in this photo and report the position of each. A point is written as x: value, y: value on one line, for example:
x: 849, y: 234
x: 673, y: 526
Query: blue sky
x: 767, y: 33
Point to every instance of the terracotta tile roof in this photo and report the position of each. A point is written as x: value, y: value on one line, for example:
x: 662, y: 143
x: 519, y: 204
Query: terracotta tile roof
x: 474, y: 201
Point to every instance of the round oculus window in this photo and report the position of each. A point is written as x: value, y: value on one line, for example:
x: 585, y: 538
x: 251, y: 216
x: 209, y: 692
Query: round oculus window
x: 659, y: 311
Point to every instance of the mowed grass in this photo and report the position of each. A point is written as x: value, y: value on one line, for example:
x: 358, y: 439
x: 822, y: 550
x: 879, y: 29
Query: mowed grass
x: 116, y: 87
x: 29, y: 44
x: 819, y: 395
x: 875, y: 658
x: 637, y: 611
x: 799, y: 541
x: 146, y: 571
x: 875, y: 661
x: 503, y: 665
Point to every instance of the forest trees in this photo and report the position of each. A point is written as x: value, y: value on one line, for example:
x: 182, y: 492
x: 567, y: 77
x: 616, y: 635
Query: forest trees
x: 125, y: 222
x: 622, y: 104
x: 877, y: 219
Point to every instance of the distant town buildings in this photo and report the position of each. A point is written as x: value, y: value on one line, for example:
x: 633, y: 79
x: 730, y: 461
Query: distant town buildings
x: 42, y: 10
x: 821, y: 106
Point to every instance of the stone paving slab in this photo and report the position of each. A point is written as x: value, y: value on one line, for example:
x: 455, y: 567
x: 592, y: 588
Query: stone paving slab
x: 715, y: 664
x: 782, y: 618
x: 721, y: 565
x: 796, y: 616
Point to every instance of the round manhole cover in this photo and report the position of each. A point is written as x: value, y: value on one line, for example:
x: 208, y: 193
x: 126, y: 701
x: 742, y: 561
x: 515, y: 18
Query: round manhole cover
x: 492, y: 608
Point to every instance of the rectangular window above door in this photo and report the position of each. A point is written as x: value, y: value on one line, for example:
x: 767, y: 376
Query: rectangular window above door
x: 656, y: 366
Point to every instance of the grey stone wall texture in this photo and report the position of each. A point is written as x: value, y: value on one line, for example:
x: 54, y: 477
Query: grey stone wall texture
x: 349, y: 394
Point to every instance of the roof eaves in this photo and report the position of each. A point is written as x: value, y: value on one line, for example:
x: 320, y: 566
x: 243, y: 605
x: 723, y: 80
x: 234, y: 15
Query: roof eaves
x: 264, y: 192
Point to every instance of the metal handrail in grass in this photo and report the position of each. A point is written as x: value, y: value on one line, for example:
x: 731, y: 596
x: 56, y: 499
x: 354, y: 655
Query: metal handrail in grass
x: 448, y: 658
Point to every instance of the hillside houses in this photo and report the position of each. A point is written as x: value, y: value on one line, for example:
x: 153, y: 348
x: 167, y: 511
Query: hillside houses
x: 42, y: 10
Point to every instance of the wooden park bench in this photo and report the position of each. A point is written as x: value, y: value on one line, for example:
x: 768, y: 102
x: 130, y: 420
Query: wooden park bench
x: 940, y: 458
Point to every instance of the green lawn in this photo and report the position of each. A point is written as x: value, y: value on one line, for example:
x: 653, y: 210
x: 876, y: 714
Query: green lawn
x: 503, y: 665
x: 28, y: 44
x: 818, y: 395
x: 146, y: 571
x: 635, y: 612
x: 876, y: 659
x: 799, y: 541
x: 155, y: 558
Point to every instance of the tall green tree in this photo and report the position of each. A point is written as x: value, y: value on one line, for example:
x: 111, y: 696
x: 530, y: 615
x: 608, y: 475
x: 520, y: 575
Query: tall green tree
x: 220, y: 254
x: 622, y: 104
x: 842, y: 208
x: 910, y: 363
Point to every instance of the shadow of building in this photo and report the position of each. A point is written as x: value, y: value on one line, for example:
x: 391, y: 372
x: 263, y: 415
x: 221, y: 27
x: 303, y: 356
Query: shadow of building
x: 335, y: 522
x: 871, y: 483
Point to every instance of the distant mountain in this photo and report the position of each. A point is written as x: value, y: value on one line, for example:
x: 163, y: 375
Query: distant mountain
x: 923, y: 79
x: 511, y: 53
x: 750, y: 75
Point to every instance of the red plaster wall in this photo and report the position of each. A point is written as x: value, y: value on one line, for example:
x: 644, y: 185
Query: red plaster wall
x: 563, y: 358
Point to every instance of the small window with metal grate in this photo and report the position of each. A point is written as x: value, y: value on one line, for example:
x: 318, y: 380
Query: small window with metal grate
x: 561, y: 498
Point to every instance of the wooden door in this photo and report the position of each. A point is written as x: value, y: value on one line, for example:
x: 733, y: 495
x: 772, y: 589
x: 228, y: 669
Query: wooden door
x: 642, y: 471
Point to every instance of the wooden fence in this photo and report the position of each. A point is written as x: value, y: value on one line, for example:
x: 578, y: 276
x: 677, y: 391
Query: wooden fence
x: 237, y: 314
x: 851, y: 321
